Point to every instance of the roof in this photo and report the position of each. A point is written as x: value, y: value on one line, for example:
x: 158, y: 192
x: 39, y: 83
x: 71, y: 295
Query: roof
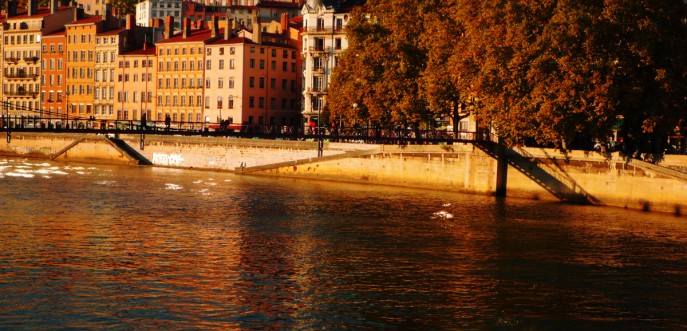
x: 42, y: 12
x: 198, y: 35
x: 89, y: 20
x: 149, y: 50
x: 233, y: 40
x: 278, y: 4
x: 112, y: 32
x: 59, y: 33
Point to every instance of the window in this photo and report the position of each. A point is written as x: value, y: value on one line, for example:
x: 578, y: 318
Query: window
x: 231, y: 82
x: 221, y: 65
x: 262, y: 82
x: 251, y: 82
x: 251, y: 102
x: 220, y: 83
x: 207, y: 102
x: 207, y: 83
x: 262, y: 64
x: 230, y: 103
x: 252, y: 63
x: 208, y: 65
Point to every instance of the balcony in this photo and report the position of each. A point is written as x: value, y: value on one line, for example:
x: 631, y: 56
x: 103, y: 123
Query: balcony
x: 21, y: 94
x: 319, y: 70
x: 12, y: 59
x: 316, y: 90
x: 322, y: 30
x: 21, y: 76
x: 319, y: 49
x: 33, y: 59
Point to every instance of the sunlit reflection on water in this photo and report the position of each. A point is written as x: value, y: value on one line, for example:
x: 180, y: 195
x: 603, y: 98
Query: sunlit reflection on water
x: 150, y: 248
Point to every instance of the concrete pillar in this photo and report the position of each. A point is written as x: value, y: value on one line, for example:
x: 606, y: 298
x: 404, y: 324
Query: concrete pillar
x: 501, y: 169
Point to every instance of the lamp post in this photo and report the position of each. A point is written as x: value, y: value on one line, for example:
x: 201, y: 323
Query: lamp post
x: 67, y: 109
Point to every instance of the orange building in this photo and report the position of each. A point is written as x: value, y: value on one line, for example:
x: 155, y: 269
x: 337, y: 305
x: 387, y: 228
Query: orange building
x: 54, y: 103
x: 255, y: 85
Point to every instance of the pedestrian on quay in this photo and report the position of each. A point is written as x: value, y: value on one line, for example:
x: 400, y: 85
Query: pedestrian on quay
x: 168, y: 121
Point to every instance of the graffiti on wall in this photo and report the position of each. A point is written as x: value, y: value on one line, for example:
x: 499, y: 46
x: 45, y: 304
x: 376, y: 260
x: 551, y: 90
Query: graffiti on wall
x: 168, y: 159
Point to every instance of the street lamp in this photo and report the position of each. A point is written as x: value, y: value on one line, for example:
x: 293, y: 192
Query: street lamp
x: 68, y: 108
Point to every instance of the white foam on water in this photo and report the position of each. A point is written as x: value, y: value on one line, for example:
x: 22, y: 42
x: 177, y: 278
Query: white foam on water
x: 170, y: 186
x: 19, y: 174
x: 197, y: 181
x: 105, y: 182
x: 227, y: 180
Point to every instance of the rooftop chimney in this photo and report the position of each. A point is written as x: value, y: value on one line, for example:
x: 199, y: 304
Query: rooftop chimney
x: 130, y: 22
x: 53, y: 6
x: 169, y: 27
x: 33, y: 7
x: 106, y: 12
x: 284, y: 23
x: 186, y: 28
x: 228, y: 29
x: 215, y: 27
x: 10, y: 8
x: 257, y: 32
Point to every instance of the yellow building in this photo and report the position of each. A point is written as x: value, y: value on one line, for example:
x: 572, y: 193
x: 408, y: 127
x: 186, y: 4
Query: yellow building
x: 180, y: 76
x: 81, y: 66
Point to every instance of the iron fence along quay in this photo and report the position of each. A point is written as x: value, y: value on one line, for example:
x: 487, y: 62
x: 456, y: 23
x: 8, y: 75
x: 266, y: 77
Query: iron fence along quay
x: 374, y: 135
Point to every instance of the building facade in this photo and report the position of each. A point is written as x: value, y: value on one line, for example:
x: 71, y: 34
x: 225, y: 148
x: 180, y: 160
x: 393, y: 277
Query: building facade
x: 158, y: 9
x: 180, y: 75
x: 323, y: 40
x: 252, y: 83
x: 139, y: 65
x: 22, y: 51
x: 54, y: 103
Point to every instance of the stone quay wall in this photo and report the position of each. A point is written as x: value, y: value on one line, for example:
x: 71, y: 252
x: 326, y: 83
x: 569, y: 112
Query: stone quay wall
x: 603, y: 179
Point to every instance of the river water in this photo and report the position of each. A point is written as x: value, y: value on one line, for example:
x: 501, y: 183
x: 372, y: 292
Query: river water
x: 99, y: 247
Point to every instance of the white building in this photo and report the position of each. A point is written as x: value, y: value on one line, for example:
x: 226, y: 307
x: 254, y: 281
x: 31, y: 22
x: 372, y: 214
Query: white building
x: 324, y: 39
x: 149, y: 9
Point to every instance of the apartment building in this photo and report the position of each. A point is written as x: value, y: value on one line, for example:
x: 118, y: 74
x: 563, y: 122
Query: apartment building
x: 323, y: 40
x: 180, y: 74
x: 139, y: 66
x: 159, y: 9
x: 252, y: 84
x: 21, y: 48
x: 81, y: 65
x: 53, y: 88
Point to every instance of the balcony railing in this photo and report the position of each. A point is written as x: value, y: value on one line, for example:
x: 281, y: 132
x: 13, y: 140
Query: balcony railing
x: 21, y: 94
x: 32, y: 76
x: 320, y: 29
x: 319, y: 49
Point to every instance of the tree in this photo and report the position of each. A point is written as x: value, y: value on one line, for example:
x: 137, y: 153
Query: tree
x: 123, y: 7
x: 553, y: 70
x: 380, y: 70
x: 548, y: 70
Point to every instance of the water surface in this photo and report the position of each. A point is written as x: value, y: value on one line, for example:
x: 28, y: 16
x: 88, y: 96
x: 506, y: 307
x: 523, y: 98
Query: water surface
x: 98, y: 247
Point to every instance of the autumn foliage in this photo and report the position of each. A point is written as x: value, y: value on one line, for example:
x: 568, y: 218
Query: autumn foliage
x: 546, y: 70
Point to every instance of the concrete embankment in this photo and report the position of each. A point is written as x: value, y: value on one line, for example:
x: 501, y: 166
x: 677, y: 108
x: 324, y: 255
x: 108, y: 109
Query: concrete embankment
x: 532, y: 173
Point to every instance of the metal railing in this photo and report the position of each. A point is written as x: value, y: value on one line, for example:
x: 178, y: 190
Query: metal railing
x: 356, y: 134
